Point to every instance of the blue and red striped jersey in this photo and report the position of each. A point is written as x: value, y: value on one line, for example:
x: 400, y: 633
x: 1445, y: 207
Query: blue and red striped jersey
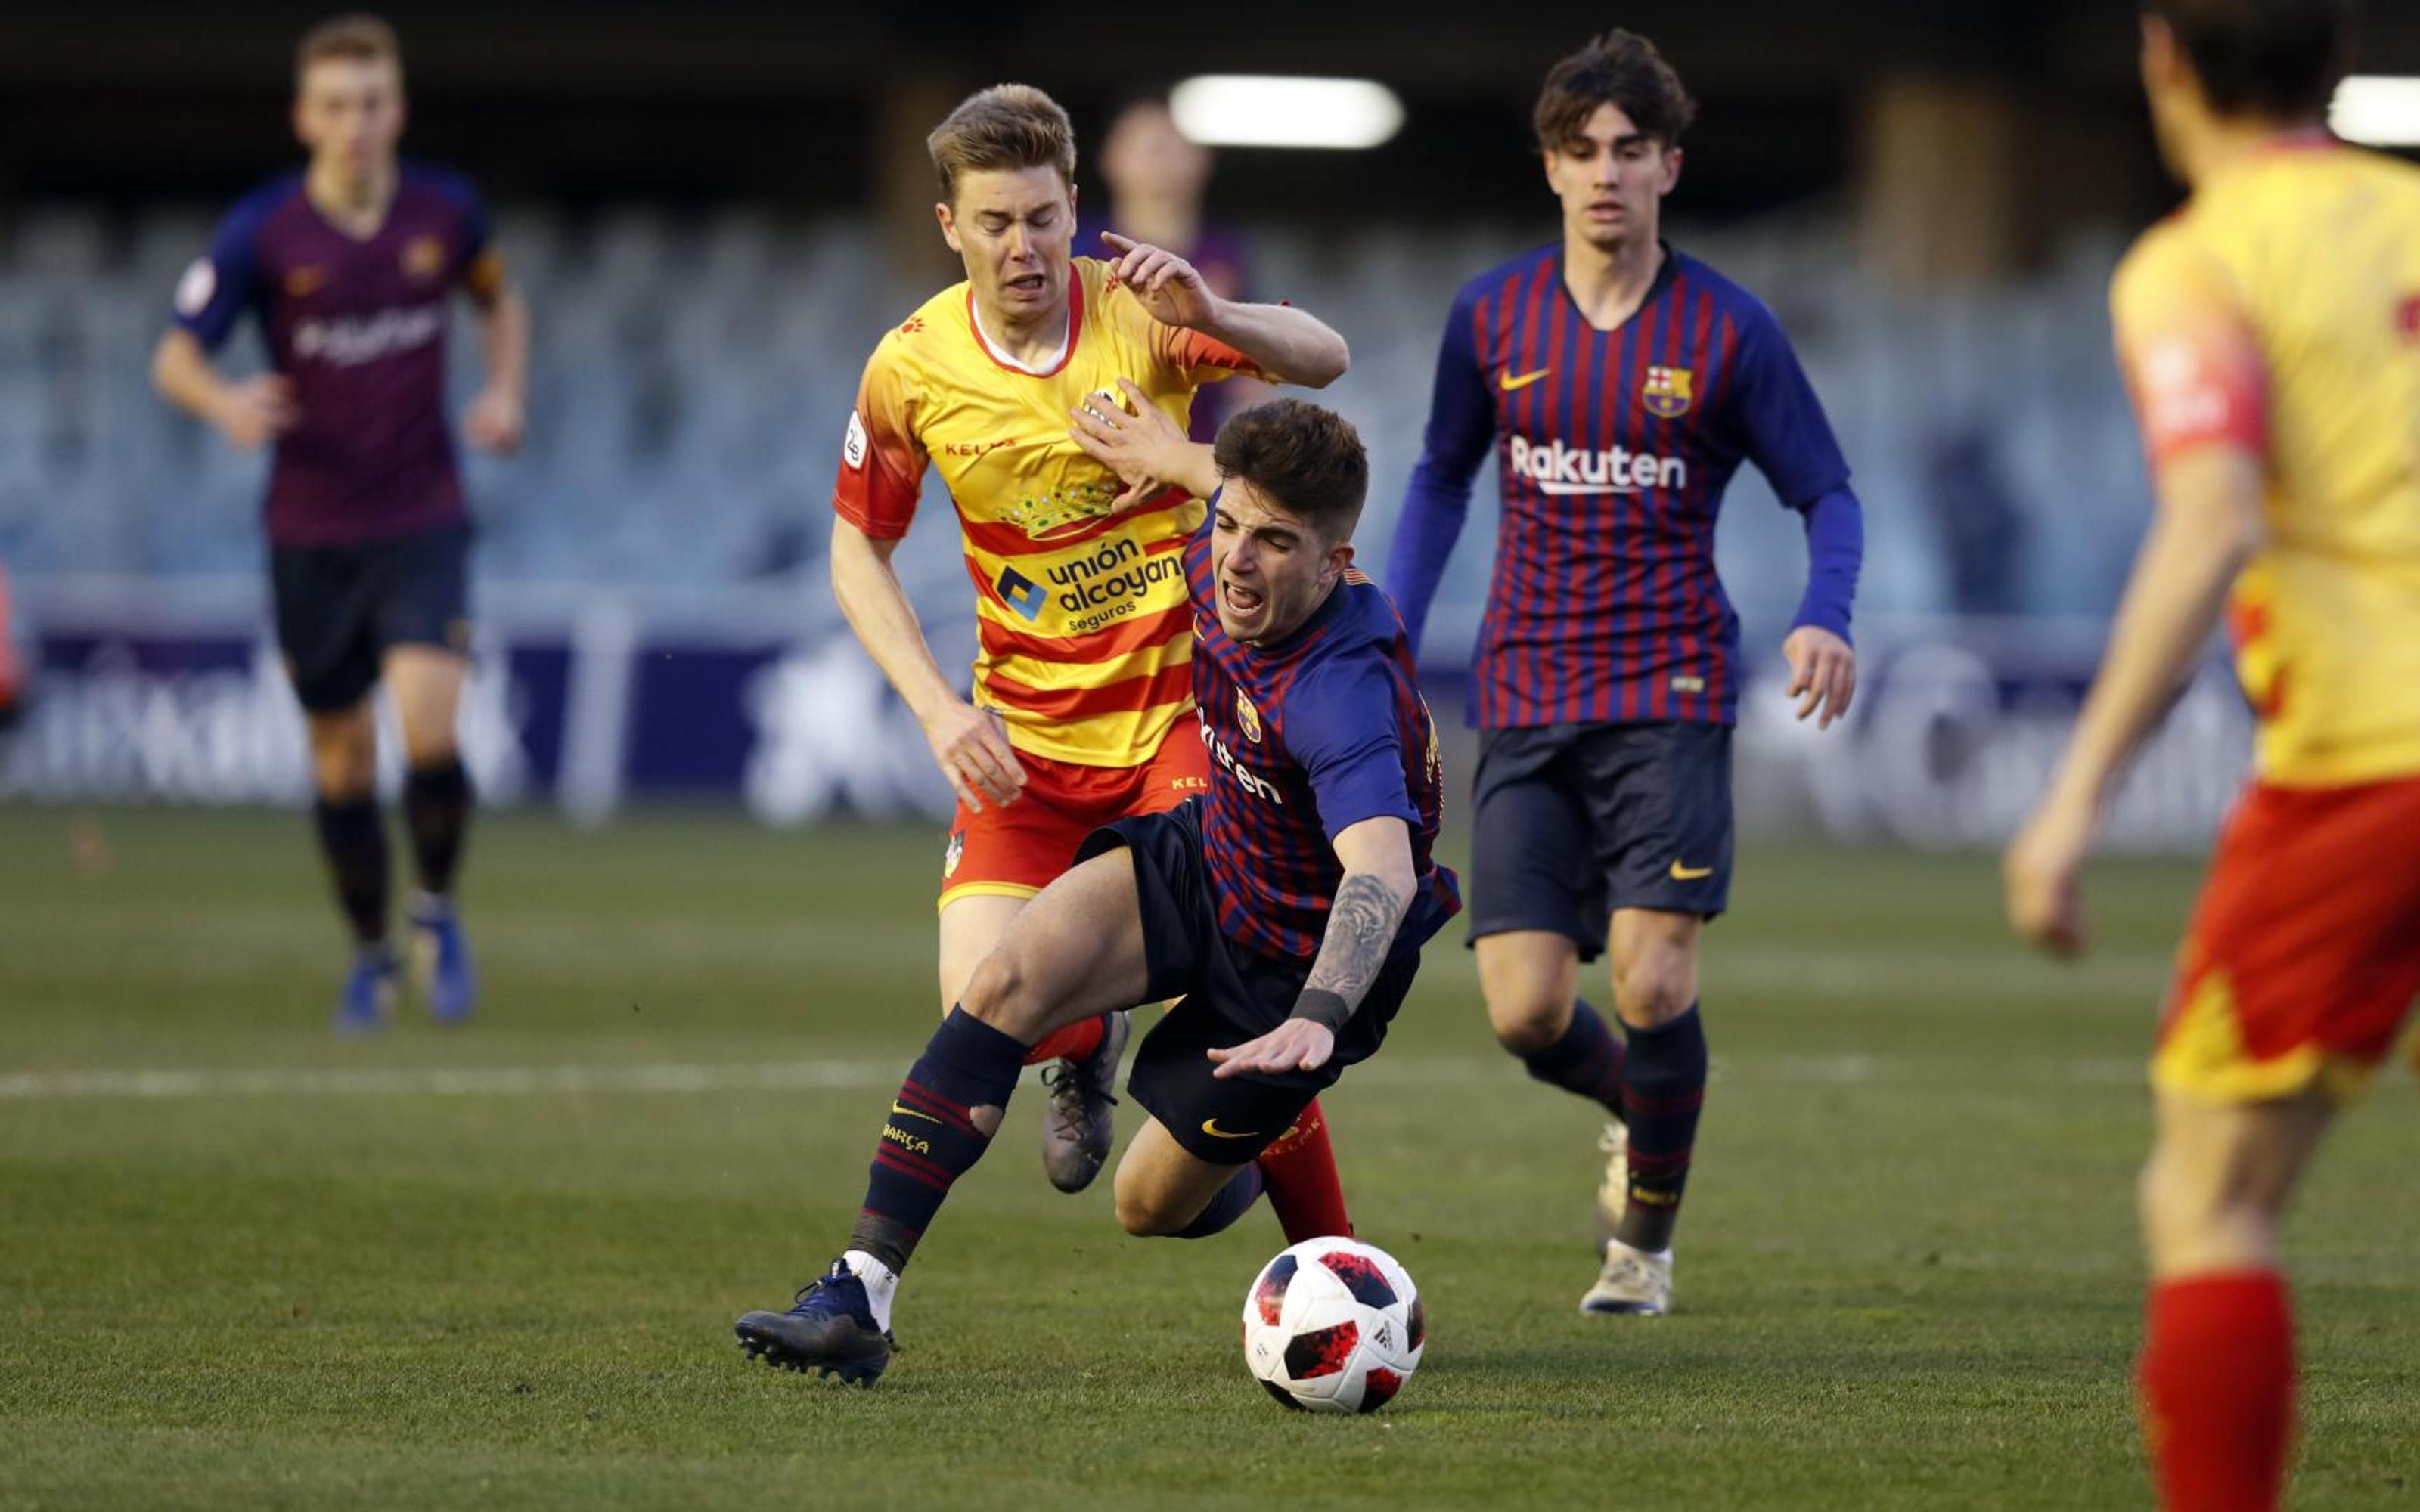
x: 1309, y: 736
x: 357, y: 325
x: 1615, y: 448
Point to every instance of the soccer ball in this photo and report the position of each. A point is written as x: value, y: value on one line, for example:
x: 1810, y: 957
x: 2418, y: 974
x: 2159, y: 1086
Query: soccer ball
x: 1333, y: 1325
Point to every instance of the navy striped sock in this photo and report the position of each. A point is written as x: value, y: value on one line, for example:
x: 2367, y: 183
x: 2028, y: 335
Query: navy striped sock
x: 939, y: 1126
x: 1588, y: 1059
x: 1238, y: 1194
x: 1662, y: 1087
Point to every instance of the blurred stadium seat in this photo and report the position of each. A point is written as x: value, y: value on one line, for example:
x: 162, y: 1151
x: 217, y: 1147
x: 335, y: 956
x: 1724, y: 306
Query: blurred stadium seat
x: 692, y: 375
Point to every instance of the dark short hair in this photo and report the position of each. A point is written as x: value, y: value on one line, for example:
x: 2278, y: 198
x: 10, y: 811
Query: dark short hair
x: 1308, y: 460
x: 1006, y: 126
x: 1619, y: 69
x: 2274, y: 57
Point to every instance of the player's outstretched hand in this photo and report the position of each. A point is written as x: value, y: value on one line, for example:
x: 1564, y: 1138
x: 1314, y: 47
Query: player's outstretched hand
x: 2042, y: 873
x: 1133, y: 438
x: 1822, y: 674
x: 1297, y: 1044
x: 494, y: 421
x: 1171, y: 290
x: 253, y: 411
x: 971, y: 746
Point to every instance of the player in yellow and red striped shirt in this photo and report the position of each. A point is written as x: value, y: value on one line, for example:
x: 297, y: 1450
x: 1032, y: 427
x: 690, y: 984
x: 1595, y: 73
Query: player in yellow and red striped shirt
x: 1083, y: 708
x: 2270, y: 334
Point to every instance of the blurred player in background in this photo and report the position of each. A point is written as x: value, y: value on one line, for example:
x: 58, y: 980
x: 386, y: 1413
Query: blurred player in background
x: 350, y: 266
x: 1083, y: 700
x: 2270, y: 335
x: 12, y: 677
x: 1621, y: 384
x: 1285, y: 907
x: 1158, y: 178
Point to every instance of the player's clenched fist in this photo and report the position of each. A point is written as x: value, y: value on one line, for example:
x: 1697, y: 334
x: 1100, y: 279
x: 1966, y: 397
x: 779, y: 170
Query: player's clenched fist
x: 253, y: 411
x: 1171, y: 290
x: 971, y: 746
x: 2041, y: 873
x: 494, y: 422
x: 1822, y: 674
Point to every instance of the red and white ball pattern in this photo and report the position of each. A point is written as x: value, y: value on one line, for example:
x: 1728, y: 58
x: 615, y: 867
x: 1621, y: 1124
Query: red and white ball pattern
x: 1333, y: 1325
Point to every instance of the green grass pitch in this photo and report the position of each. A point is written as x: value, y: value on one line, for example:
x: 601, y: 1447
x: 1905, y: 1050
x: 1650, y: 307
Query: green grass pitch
x: 497, y: 1266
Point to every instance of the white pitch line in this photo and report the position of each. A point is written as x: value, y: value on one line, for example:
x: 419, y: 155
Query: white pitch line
x: 467, y: 1081
x: 871, y: 1075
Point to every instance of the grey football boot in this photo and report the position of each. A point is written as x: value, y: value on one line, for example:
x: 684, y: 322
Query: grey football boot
x: 1077, y: 1127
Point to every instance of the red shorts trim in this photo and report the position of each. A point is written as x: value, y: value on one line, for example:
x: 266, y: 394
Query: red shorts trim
x: 2303, y: 956
x: 1017, y: 851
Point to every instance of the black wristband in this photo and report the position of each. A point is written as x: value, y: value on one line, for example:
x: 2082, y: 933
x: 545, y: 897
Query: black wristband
x: 1326, y: 1009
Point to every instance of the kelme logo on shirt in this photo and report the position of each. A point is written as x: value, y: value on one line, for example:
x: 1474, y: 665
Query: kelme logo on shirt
x: 1022, y: 593
x: 852, y: 446
x: 975, y: 448
x: 1668, y: 391
x: 1557, y: 468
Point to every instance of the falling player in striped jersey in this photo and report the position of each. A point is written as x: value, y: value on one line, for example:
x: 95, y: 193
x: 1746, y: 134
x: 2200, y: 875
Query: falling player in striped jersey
x: 1621, y: 384
x: 1083, y: 705
x: 1284, y: 908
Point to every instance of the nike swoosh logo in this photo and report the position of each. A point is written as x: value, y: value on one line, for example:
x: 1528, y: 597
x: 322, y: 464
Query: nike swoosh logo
x: 913, y: 1114
x: 1690, y: 873
x: 1510, y: 382
x: 1210, y: 1127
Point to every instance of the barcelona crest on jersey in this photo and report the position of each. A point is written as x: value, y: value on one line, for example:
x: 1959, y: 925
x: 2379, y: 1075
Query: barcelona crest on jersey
x: 1249, y: 716
x: 1669, y: 391
x: 423, y: 258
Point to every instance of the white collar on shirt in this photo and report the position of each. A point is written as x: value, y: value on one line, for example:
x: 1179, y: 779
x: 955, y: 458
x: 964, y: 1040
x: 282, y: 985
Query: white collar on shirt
x: 974, y: 311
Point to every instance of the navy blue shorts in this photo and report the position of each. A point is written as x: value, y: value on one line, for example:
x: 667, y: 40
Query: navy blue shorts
x: 341, y: 607
x: 1570, y: 822
x: 1230, y: 994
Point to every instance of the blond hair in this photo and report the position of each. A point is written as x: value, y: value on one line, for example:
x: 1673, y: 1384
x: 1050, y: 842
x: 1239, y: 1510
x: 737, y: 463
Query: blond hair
x: 358, y: 38
x: 1006, y: 126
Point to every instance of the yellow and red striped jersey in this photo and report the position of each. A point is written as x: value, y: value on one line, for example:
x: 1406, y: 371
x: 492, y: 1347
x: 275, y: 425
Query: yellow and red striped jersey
x: 2280, y: 311
x: 1086, y: 640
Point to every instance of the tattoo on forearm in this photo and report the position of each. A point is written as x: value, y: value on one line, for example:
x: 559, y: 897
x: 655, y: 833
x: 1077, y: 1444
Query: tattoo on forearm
x: 1360, y: 931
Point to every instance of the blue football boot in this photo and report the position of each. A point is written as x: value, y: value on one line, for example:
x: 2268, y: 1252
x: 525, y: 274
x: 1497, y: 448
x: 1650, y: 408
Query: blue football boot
x: 370, y: 990
x: 829, y: 1330
x: 440, y: 960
